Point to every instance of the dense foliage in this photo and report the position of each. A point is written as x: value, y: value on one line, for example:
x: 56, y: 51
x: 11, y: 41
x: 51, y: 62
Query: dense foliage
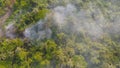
x: 64, y: 49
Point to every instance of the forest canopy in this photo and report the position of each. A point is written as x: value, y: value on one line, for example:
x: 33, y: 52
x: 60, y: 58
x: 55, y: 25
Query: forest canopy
x: 59, y: 34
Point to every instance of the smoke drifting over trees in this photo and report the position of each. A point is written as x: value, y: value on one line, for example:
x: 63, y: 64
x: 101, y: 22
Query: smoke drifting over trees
x: 92, y: 20
x: 60, y: 34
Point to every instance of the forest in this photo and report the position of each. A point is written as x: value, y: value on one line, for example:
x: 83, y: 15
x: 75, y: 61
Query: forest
x: 59, y: 33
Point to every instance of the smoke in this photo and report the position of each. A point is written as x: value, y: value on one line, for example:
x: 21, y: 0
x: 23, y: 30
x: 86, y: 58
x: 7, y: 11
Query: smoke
x: 114, y: 29
x: 94, y: 21
x: 10, y: 31
x: 38, y: 32
x: 1, y: 33
x: 91, y: 20
x: 69, y: 19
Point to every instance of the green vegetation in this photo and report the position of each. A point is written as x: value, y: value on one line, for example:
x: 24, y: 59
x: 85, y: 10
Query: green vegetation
x: 62, y: 50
